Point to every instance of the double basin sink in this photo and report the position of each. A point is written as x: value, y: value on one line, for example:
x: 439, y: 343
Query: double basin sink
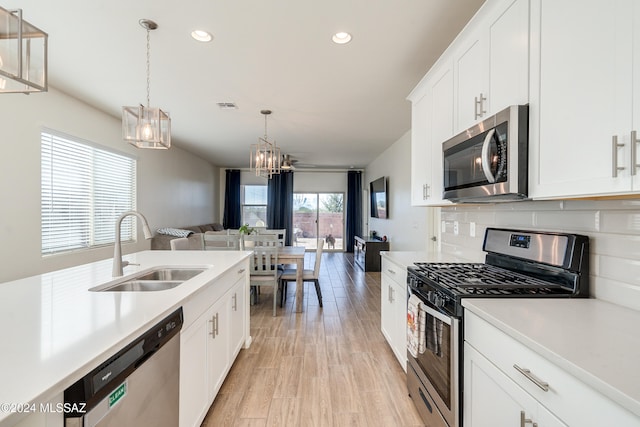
x: 155, y: 279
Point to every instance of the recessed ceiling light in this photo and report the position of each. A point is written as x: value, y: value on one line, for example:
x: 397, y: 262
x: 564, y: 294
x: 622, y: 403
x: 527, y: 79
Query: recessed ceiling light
x: 341, y: 37
x: 201, y: 36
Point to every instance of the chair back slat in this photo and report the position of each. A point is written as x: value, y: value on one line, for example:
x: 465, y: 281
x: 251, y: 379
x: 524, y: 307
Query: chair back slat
x: 221, y: 241
x: 264, y: 261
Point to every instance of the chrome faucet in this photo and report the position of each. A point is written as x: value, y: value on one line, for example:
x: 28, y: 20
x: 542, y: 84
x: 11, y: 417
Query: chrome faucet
x: 118, y: 264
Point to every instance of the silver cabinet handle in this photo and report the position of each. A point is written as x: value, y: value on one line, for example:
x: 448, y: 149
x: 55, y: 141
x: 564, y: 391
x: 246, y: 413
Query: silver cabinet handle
x: 391, y: 271
x: 478, y: 109
x: 390, y: 294
x: 214, y: 326
x: 614, y: 156
x: 241, y: 271
x: 634, y: 149
x: 544, y: 386
x: 524, y: 420
x: 425, y: 191
x: 235, y: 301
x: 217, y: 324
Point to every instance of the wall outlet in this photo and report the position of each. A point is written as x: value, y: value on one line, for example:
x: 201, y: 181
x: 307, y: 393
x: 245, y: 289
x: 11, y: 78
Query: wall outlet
x: 456, y: 228
x: 472, y: 229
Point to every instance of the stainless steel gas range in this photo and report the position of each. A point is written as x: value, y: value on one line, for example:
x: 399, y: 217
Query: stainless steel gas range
x: 518, y: 264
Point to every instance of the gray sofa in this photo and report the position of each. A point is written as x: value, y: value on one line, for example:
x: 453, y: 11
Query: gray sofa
x: 161, y: 241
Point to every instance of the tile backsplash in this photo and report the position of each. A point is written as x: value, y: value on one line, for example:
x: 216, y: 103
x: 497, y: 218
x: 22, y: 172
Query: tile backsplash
x: 613, y: 227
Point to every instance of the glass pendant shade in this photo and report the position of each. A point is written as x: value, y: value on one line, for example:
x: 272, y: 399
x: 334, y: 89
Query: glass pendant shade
x: 146, y: 127
x: 23, y: 54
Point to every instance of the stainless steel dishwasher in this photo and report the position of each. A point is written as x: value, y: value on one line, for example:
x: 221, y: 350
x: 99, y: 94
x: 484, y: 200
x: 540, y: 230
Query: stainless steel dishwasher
x: 137, y: 386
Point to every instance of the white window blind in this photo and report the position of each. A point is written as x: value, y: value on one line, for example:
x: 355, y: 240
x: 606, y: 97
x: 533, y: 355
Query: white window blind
x: 84, y: 190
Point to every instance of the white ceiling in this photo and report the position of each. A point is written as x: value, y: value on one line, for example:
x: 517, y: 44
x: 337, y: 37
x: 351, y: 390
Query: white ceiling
x: 333, y: 105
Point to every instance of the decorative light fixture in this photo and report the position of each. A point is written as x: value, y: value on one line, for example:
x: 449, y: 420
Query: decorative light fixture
x: 23, y: 54
x: 265, y: 155
x: 146, y: 127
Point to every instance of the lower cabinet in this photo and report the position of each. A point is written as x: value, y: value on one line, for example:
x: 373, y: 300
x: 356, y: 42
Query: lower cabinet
x: 393, y: 308
x: 209, y: 346
x: 506, y: 384
x: 493, y: 399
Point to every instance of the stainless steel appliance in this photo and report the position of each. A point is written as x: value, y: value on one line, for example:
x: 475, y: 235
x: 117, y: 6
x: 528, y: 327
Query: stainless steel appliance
x: 489, y: 162
x: 138, y: 386
x: 518, y: 264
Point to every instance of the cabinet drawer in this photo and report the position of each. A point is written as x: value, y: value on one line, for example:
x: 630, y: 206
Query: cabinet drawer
x: 395, y: 272
x: 571, y: 400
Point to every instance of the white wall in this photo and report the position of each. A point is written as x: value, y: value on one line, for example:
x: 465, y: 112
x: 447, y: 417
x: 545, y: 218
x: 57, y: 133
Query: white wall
x: 406, y: 228
x: 613, y: 227
x: 174, y: 187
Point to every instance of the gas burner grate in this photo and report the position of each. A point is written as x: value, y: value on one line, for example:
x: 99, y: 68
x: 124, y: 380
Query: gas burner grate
x: 484, y: 279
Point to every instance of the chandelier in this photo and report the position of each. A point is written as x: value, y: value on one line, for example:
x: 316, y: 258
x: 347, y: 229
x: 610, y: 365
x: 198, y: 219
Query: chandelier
x: 265, y: 155
x: 23, y: 54
x: 146, y: 127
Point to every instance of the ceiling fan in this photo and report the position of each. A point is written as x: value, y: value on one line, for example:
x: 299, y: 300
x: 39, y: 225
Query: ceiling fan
x: 288, y: 162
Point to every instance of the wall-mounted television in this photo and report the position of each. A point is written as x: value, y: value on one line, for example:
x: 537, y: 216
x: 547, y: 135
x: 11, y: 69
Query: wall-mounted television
x: 379, y: 198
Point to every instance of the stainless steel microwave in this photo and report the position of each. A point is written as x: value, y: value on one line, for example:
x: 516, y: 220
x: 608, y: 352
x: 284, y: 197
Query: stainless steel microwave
x: 489, y: 162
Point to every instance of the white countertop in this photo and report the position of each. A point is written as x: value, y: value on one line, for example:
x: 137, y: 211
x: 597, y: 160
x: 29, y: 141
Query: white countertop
x: 595, y: 341
x: 55, y: 330
x: 407, y: 258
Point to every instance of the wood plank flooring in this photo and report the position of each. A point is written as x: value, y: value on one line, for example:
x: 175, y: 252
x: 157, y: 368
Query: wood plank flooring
x: 327, y: 366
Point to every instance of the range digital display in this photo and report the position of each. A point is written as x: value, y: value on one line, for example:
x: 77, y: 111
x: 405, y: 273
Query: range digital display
x: 520, y: 241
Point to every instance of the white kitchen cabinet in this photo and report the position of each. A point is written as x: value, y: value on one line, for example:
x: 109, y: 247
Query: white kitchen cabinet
x: 501, y: 370
x: 583, y: 97
x: 493, y: 399
x: 432, y: 124
x: 491, y: 62
x: 488, y: 62
x: 393, y: 308
x: 210, y: 343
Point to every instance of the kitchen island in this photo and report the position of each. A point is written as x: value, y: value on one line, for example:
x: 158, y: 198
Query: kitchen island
x: 56, y: 330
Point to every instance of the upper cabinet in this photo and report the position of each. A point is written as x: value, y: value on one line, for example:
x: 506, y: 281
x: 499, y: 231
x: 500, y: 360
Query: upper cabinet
x: 485, y: 70
x: 586, y: 98
x: 491, y: 62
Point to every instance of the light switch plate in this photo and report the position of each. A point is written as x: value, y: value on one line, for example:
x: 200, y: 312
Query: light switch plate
x: 456, y: 229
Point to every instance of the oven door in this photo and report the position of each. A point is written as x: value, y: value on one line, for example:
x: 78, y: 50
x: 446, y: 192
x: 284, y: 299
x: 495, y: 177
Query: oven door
x: 436, y: 367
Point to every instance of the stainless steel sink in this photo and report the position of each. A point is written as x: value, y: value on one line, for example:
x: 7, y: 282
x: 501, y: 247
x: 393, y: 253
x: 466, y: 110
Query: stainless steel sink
x: 157, y: 279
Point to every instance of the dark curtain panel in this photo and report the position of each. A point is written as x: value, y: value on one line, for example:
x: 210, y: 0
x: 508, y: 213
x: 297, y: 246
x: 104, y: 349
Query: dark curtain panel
x: 280, y: 203
x: 232, y: 209
x: 354, y: 208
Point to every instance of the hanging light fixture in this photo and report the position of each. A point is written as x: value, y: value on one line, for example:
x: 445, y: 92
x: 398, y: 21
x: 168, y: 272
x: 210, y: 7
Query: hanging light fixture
x: 265, y: 155
x: 23, y: 54
x: 146, y: 127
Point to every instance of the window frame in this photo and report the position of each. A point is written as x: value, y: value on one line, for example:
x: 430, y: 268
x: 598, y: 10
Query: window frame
x: 255, y: 205
x: 84, y: 188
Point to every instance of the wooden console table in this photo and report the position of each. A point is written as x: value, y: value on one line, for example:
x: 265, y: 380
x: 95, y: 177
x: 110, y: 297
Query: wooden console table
x: 366, y: 253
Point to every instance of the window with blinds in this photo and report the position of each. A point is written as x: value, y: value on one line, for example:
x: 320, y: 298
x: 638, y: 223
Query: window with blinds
x: 84, y: 190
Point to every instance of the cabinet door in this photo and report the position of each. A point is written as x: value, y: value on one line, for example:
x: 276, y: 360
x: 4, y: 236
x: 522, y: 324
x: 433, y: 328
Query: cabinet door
x: 471, y: 63
x: 194, y: 392
x: 583, y: 99
x: 420, y: 150
x: 493, y: 399
x: 441, y: 127
x: 399, y: 303
x: 509, y: 57
x: 237, y: 308
x: 635, y: 126
x: 218, y: 328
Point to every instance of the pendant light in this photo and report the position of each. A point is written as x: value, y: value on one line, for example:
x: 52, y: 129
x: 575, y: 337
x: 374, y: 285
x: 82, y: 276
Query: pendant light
x: 23, y: 54
x: 146, y: 127
x: 265, y: 155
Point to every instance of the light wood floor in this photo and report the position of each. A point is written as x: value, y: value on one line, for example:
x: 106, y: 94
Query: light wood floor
x: 327, y: 366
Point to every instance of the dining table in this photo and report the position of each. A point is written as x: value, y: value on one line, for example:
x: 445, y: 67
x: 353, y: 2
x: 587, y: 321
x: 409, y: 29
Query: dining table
x: 294, y: 255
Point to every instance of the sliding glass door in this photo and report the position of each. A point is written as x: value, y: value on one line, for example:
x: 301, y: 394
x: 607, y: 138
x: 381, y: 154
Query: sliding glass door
x: 318, y: 215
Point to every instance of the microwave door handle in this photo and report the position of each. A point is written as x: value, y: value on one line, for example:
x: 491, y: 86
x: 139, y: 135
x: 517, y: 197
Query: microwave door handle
x: 486, y: 156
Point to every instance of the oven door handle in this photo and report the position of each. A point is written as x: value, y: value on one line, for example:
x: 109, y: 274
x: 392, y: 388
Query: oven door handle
x: 426, y: 307
x: 486, y: 156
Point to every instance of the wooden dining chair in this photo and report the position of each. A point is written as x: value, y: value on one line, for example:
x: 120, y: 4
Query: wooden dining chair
x: 264, y: 271
x: 216, y: 241
x: 289, y: 275
x: 179, y: 244
x: 280, y: 233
